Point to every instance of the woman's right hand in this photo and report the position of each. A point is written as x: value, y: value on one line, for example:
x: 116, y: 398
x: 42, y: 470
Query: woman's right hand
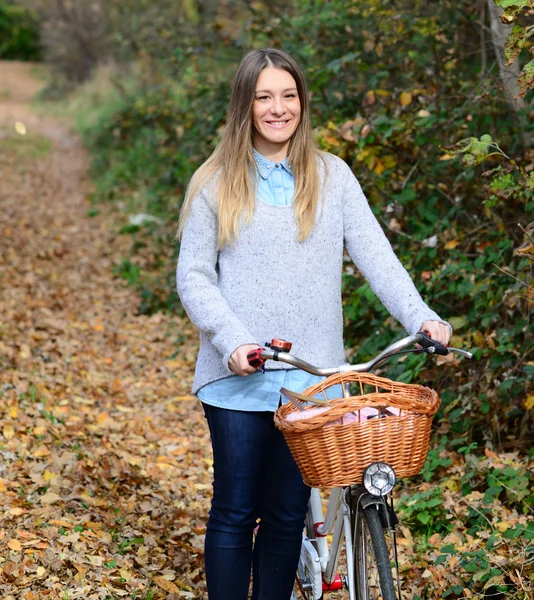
x: 238, y: 362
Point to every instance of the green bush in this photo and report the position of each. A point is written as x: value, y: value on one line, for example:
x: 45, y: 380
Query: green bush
x: 19, y: 35
x: 389, y: 90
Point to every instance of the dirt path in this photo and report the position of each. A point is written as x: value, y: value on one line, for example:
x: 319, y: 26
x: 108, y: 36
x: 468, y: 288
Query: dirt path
x: 105, y: 466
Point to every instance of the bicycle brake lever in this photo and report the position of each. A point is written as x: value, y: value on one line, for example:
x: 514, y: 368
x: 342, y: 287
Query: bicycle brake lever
x: 430, y: 346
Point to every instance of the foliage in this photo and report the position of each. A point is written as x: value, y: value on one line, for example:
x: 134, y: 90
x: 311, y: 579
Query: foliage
x: 389, y: 90
x: 19, y: 34
x: 106, y: 477
x: 392, y: 84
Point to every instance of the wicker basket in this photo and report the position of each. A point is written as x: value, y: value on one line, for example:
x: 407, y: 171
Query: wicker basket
x: 331, y: 453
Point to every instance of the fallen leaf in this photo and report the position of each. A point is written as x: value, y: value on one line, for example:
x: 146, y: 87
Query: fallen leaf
x: 405, y: 98
x: 8, y: 431
x: 51, y: 498
x: 166, y: 585
x: 14, y: 544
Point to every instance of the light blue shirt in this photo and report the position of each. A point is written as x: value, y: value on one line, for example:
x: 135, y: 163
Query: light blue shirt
x: 261, y: 391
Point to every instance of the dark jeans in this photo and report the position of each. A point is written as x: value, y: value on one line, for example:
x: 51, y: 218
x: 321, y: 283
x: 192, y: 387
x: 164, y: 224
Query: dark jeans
x: 255, y: 476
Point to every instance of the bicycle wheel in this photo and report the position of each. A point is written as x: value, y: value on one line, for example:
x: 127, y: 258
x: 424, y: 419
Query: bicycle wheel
x: 372, y: 557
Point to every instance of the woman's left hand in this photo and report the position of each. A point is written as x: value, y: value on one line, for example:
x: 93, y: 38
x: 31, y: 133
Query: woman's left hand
x: 438, y: 331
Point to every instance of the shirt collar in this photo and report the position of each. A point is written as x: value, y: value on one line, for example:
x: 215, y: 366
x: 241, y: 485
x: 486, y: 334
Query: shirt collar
x: 265, y: 166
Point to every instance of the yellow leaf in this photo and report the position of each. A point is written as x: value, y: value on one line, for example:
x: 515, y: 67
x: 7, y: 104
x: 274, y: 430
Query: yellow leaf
x: 452, y: 485
x: 80, y: 400
x: 166, y: 585
x: 20, y: 128
x: 502, y: 526
x: 3, y: 487
x: 478, y: 338
x: 379, y: 167
x: 13, y: 413
x: 183, y: 398
x: 14, y: 545
x: 406, y: 98
x: 48, y: 475
x: 451, y: 244
x: 60, y: 523
x: 25, y: 352
x: 40, y: 571
x: 8, y: 431
x: 529, y: 402
x: 40, y: 452
x: 330, y: 139
x: 102, y: 417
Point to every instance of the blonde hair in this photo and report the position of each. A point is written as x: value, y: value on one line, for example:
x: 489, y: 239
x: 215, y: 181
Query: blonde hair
x: 233, y: 161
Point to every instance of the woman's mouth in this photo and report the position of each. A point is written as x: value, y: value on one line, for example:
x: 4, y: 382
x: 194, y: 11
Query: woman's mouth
x: 277, y: 124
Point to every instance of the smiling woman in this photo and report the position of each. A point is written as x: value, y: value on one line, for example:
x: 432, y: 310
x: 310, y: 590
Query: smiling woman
x: 264, y: 226
x: 276, y: 113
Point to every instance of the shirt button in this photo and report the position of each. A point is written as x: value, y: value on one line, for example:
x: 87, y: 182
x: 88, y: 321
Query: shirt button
x: 277, y: 166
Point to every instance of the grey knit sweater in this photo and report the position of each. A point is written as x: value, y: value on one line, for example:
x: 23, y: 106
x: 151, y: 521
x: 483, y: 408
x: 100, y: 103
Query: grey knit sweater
x: 269, y: 285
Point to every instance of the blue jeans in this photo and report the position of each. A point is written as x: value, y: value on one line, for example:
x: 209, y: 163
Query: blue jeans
x: 255, y: 477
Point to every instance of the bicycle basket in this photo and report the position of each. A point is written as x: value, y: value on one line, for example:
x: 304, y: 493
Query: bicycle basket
x: 332, y: 450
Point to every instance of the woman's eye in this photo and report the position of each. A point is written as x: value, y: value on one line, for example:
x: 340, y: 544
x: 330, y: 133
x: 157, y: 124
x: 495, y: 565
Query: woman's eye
x: 262, y: 98
x: 291, y: 96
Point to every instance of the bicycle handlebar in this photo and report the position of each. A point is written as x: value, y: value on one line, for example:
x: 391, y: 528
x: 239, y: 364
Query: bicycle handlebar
x: 257, y: 357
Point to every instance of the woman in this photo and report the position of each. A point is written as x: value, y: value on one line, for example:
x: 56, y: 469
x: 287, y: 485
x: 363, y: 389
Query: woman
x: 264, y: 225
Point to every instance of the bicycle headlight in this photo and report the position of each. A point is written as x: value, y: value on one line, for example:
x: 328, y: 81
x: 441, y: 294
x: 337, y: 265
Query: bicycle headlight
x: 379, y: 479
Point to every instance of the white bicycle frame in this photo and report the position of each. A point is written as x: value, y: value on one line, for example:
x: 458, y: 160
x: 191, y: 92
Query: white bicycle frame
x: 321, y: 563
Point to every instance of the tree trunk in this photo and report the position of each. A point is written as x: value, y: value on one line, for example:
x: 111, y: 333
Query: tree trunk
x: 509, y: 75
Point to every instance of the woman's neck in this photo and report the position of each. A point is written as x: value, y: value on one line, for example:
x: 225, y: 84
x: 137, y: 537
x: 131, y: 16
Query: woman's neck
x: 273, y: 152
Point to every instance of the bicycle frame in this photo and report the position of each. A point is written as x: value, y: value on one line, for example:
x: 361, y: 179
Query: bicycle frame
x: 323, y: 558
x: 336, y: 522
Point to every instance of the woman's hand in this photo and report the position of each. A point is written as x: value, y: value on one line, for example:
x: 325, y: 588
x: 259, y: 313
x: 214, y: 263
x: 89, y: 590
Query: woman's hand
x: 238, y: 362
x: 439, y: 332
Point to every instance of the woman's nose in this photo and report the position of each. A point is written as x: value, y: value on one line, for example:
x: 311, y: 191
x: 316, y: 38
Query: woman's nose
x: 278, y: 106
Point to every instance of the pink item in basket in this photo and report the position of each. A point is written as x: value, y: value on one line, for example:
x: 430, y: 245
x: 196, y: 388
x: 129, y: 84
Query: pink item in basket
x: 363, y: 414
x: 306, y: 414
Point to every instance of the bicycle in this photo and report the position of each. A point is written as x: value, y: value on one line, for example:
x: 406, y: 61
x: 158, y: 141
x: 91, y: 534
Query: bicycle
x: 360, y: 507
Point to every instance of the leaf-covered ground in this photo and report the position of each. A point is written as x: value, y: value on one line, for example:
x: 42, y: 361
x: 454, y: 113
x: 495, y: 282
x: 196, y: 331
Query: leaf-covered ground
x: 105, y: 475
x: 105, y: 456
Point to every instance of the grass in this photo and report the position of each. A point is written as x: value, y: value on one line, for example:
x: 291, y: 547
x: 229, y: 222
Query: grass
x: 87, y: 104
x: 25, y: 147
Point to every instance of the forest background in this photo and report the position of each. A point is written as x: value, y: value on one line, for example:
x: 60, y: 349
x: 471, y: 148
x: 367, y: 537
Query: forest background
x: 431, y: 104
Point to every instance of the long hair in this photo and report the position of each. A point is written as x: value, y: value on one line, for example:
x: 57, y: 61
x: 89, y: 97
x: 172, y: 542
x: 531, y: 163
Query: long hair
x: 232, y: 161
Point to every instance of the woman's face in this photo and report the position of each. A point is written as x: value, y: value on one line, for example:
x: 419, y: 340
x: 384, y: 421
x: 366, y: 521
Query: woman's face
x: 275, y: 112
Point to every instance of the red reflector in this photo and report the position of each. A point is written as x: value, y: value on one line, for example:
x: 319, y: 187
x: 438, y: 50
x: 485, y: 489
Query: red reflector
x: 337, y: 584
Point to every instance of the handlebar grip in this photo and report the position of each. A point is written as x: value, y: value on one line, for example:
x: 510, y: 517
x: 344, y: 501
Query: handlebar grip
x: 254, y: 358
x: 431, y: 346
